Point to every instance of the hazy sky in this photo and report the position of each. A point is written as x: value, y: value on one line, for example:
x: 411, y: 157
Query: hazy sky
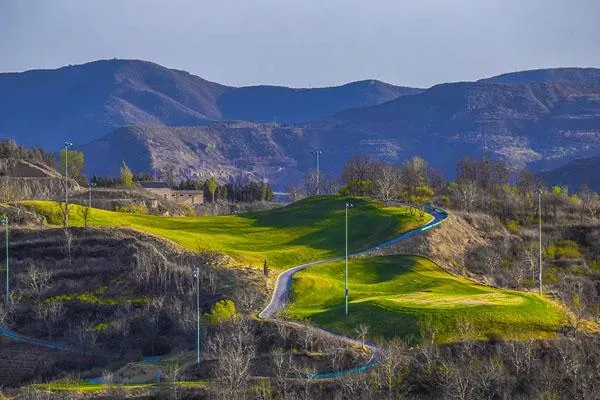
x: 306, y: 42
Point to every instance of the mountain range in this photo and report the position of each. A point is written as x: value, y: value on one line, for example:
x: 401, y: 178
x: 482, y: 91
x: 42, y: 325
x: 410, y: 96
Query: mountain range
x: 84, y: 102
x: 156, y: 118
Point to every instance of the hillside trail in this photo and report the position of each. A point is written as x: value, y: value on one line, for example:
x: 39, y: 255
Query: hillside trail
x: 283, y: 287
x: 279, y: 301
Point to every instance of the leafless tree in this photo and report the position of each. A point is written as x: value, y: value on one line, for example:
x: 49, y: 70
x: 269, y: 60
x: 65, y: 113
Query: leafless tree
x: 387, y: 183
x: 4, y: 316
x: 38, y: 281
x: 235, y: 349
x: 467, y: 195
x: 283, y: 365
x: 50, y: 313
x: 394, y: 365
x: 590, y: 202
x: 362, y: 331
x: 68, y: 243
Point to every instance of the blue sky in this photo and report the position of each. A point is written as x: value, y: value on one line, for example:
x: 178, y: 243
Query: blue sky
x: 306, y: 43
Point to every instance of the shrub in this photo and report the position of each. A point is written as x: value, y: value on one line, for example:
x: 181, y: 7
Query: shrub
x: 134, y: 208
x: 563, y: 249
x: 594, y: 266
x: 513, y: 227
x: 221, y: 311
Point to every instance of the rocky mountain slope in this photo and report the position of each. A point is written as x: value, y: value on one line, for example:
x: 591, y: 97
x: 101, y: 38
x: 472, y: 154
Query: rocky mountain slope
x: 84, y: 102
x: 539, y: 124
x: 583, y: 171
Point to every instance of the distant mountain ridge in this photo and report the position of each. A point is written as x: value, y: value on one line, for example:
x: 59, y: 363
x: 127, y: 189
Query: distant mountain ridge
x: 579, y: 172
x: 84, y: 102
x: 166, y: 118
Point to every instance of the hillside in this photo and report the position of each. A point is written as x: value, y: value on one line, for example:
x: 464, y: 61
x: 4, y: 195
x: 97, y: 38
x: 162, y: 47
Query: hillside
x: 84, y: 102
x: 583, y: 171
x: 308, y: 230
x: 540, y: 125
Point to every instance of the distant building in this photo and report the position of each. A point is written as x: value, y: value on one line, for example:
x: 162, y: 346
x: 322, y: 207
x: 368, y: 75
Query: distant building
x: 162, y: 190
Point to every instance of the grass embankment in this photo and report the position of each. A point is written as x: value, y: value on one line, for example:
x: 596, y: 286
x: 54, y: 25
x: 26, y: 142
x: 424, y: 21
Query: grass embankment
x: 89, y: 387
x: 411, y: 297
x: 309, y: 230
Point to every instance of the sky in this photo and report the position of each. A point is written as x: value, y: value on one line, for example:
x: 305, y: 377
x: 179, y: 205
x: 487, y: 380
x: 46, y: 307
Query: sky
x: 306, y: 43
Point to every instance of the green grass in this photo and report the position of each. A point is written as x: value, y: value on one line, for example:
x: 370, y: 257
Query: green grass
x: 309, y: 230
x: 411, y: 296
x: 88, y: 387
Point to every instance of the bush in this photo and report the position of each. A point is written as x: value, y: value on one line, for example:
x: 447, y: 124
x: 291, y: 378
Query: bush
x: 513, y: 227
x: 563, y: 249
x: 134, y: 208
x: 221, y: 311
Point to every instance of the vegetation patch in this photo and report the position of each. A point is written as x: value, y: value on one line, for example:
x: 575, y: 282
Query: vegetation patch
x: 412, y: 297
x: 311, y: 229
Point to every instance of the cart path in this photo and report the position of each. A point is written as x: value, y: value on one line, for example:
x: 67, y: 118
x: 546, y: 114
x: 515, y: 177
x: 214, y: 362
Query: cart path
x: 283, y: 287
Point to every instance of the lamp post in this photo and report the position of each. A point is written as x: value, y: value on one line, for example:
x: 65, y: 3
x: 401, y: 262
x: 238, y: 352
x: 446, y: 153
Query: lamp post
x: 196, y: 275
x: 539, y: 193
x: 317, y: 153
x: 67, y: 145
x: 4, y: 221
x: 90, y: 186
x: 348, y: 205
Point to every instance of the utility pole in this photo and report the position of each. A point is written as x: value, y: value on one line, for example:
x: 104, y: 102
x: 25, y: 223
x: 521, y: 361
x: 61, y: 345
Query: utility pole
x: 196, y: 275
x: 317, y: 153
x: 348, y: 205
x: 67, y: 145
x: 4, y: 221
x: 539, y: 193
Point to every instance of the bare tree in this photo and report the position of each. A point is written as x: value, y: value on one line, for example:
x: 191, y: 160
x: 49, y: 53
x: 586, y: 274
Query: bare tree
x: 38, y: 281
x: 235, y: 349
x: 50, y: 314
x: 283, y: 364
x: 362, y: 331
x: 387, y: 183
x: 68, y: 243
x: 467, y: 195
x: 394, y: 365
x: 590, y: 202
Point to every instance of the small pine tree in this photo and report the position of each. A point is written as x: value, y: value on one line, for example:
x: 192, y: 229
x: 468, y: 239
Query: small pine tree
x: 126, y: 175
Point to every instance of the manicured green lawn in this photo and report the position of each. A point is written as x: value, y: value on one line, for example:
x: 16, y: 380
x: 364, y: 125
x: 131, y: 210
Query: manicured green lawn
x: 309, y: 230
x: 408, y: 296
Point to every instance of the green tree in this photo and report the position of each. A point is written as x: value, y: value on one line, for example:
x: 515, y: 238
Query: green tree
x: 212, y: 185
x: 221, y: 311
x: 126, y: 176
x: 75, y: 165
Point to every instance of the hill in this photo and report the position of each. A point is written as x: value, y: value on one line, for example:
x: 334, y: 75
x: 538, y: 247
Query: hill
x: 539, y: 125
x: 308, y: 230
x: 408, y: 296
x: 583, y: 171
x: 84, y: 102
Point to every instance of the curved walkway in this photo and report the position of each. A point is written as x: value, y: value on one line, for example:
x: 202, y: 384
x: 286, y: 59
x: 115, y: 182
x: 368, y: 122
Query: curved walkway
x: 279, y: 300
x: 283, y: 287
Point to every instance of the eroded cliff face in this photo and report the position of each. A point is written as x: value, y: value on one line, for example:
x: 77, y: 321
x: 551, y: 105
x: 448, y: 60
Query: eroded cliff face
x: 19, y: 188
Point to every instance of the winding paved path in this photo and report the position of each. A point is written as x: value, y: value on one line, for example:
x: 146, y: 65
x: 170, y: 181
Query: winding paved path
x: 284, y: 284
x: 279, y: 300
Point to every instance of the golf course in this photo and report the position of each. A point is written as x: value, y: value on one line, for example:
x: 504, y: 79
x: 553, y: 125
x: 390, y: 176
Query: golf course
x: 412, y: 297
x: 405, y: 296
x: 308, y: 230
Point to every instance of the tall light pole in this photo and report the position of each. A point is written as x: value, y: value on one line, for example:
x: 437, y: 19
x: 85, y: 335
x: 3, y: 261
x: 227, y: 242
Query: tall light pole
x: 539, y: 193
x: 4, y: 221
x: 90, y: 186
x: 317, y: 153
x: 196, y: 275
x: 67, y: 145
x: 348, y: 205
